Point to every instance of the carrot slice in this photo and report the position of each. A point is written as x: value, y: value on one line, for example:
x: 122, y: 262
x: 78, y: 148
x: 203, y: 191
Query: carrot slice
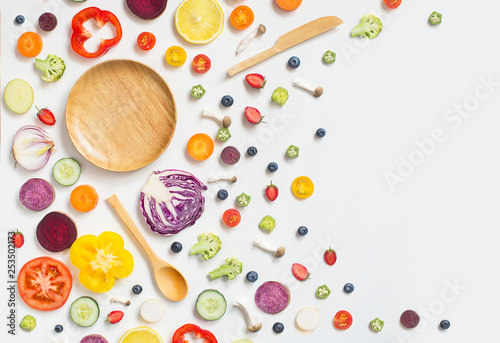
x: 30, y: 44
x: 200, y: 146
x: 289, y: 5
x: 84, y: 198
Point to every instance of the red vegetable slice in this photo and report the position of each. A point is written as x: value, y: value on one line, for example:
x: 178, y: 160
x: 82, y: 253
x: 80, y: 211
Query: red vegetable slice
x: 56, y: 232
x: 146, y: 41
x: 147, y: 9
x: 272, y: 297
x: 37, y: 194
x: 94, y: 339
x: 231, y: 217
x: 201, y: 63
x: 230, y: 155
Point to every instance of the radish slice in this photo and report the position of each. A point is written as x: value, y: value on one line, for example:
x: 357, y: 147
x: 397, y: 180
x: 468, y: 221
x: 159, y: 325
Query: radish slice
x: 94, y: 339
x: 308, y: 318
x: 37, y: 194
x: 272, y: 297
x: 147, y: 9
x: 56, y: 232
x: 152, y: 310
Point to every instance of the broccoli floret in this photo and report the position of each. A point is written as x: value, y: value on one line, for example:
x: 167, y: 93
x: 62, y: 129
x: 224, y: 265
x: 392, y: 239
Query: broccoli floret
x: 369, y: 26
x: 280, y: 95
x: 267, y: 223
x: 208, y: 245
x: 28, y: 323
x: 53, y: 68
x: 231, y: 268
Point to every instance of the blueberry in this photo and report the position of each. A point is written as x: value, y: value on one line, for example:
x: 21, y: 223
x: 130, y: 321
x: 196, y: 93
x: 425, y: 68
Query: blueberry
x: 302, y: 231
x: 252, y: 151
x: 321, y: 132
x: 278, y: 327
x: 176, y: 247
x: 58, y: 328
x: 20, y: 19
x: 294, y: 62
x: 227, y: 101
x: 348, y: 288
x: 252, y: 276
x: 137, y: 289
x: 445, y: 324
x: 222, y: 194
x: 272, y: 167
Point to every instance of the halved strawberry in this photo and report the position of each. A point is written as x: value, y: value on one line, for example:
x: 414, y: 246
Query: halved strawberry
x: 253, y: 115
x: 330, y: 256
x: 300, y: 272
x: 46, y: 116
x: 256, y: 80
x: 115, y: 316
x: 271, y: 192
x: 18, y: 239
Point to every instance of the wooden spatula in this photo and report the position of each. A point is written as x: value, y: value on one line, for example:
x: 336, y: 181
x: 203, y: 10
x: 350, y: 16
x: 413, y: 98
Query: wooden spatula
x: 292, y: 38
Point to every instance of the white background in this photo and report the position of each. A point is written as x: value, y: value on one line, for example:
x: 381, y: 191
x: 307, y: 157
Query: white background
x: 428, y: 243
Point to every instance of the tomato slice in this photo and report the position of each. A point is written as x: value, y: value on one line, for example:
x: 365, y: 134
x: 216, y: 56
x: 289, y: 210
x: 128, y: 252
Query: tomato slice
x: 146, y: 41
x: 342, y: 320
x: 392, y: 3
x: 242, y: 17
x: 231, y: 217
x: 44, y: 283
x: 201, y: 63
x: 176, y: 56
x: 302, y: 187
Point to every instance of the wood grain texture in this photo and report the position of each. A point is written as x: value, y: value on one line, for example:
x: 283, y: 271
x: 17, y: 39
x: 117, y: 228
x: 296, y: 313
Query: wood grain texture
x: 121, y: 115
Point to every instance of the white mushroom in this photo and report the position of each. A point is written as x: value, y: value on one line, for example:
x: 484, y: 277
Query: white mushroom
x: 222, y: 178
x: 121, y: 301
x: 246, y: 41
x: 209, y: 113
x: 301, y: 83
x: 251, y: 326
x: 278, y: 252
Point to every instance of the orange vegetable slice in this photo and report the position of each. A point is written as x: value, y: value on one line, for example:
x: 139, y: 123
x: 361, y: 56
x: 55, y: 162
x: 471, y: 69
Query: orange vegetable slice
x: 289, y: 5
x: 200, y: 147
x: 30, y: 44
x: 242, y: 17
x: 84, y: 198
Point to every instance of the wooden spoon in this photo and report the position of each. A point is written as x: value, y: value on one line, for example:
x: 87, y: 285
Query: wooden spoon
x: 170, y: 281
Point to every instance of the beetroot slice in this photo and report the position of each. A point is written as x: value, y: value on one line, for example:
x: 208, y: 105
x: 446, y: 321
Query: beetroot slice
x: 230, y: 155
x: 272, y: 297
x: 409, y: 319
x: 37, y: 194
x: 147, y: 9
x: 56, y: 232
x: 47, y: 21
x: 94, y: 339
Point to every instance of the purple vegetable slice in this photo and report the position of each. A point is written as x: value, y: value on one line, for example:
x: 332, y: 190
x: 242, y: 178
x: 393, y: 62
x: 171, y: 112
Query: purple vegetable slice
x: 409, y: 319
x: 37, y: 194
x: 47, y: 21
x: 230, y: 155
x: 272, y: 297
x: 94, y: 339
x: 171, y: 201
x: 147, y: 9
x: 56, y: 232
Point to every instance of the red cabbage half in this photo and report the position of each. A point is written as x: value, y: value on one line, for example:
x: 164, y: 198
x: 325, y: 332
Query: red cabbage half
x: 171, y: 200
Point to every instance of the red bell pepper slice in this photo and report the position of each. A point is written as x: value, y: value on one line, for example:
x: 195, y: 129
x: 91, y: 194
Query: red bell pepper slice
x: 207, y: 336
x: 81, y: 35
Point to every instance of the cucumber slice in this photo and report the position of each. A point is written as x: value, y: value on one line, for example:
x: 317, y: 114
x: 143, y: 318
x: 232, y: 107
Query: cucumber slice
x: 66, y: 171
x: 211, y: 304
x: 84, y: 311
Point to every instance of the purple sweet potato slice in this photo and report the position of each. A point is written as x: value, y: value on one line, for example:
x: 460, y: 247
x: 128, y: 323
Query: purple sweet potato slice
x: 94, y: 339
x: 37, y: 194
x: 272, y: 297
x: 56, y: 232
x: 147, y: 9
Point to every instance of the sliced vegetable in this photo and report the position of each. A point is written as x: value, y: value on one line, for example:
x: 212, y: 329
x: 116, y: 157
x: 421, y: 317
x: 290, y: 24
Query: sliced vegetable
x: 211, y: 304
x: 147, y: 9
x: 84, y: 311
x: 37, y: 194
x: 66, y: 171
x: 44, y: 283
x: 256, y: 80
x: 28, y: 323
x: 94, y: 339
x: 208, y: 245
x: 308, y: 318
x: 152, y: 310
x: 323, y: 292
x: 47, y: 21
x: 292, y: 151
x: 171, y: 201
x: 204, y: 335
x: 230, y: 268
x: 146, y: 40
x: 342, y: 320
x: 329, y: 56
x: 84, y: 198
x: 392, y: 3
x: 231, y: 217
x: 53, y: 68
x: 176, y: 56
x: 198, y: 91
x: 435, y: 18
x: 243, y: 200
x: 377, y: 325
x: 46, y: 116
x: 29, y: 44
x: 230, y: 155
x: 223, y: 134
x: 272, y: 297
x: 267, y: 223
x: 409, y: 319
x: 302, y: 187
x: 253, y: 115
x: 242, y: 17
x: 18, y: 96
x: 289, y: 5
x: 300, y: 272
x: 32, y: 147
x: 280, y: 96
x: 201, y: 63
x: 56, y: 232
x: 200, y: 146
x: 369, y: 26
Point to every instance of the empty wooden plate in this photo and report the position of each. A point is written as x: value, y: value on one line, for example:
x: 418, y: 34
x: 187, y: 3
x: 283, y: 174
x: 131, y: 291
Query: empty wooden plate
x: 121, y: 115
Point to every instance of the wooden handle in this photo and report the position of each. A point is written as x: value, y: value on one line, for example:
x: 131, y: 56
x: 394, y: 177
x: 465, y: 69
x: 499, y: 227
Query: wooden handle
x: 250, y: 62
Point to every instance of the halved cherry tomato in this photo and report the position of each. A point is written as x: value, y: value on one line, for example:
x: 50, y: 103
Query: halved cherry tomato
x: 392, y: 3
x: 342, y: 320
x: 44, y: 283
x: 302, y: 187
x: 242, y: 17
x: 176, y: 56
x: 201, y: 63
x: 231, y: 217
x: 146, y: 41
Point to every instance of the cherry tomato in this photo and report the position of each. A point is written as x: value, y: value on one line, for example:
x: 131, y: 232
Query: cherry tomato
x: 342, y: 320
x: 302, y: 187
x: 231, y: 217
x: 176, y: 56
x: 392, y: 3
x: 146, y: 41
x: 242, y: 17
x: 201, y: 63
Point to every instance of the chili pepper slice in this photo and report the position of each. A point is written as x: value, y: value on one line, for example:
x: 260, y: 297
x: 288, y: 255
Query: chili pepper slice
x: 435, y: 18
x: 198, y: 91
x: 323, y: 292
x: 81, y: 35
x: 329, y: 57
x: 179, y: 334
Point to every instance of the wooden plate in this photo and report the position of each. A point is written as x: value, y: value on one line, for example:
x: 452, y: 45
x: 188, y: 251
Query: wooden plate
x: 121, y: 115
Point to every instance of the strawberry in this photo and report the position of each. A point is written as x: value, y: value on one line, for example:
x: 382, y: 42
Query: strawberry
x: 256, y: 80
x: 271, y: 192
x: 115, y: 316
x: 253, y: 115
x: 300, y: 272
x: 330, y: 256
x: 18, y: 239
x: 46, y: 116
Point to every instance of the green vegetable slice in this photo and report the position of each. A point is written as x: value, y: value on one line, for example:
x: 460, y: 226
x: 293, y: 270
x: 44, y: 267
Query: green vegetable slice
x: 211, y: 304
x: 329, y: 57
x: 323, y: 292
x: 208, y: 245
x: 292, y: 151
x: 223, y: 134
x: 66, y: 171
x: 369, y: 26
x: 435, y: 18
x: 376, y: 325
x: 243, y: 200
x: 53, y: 68
x: 280, y: 96
x: 267, y: 223
x: 84, y: 311
x: 198, y: 91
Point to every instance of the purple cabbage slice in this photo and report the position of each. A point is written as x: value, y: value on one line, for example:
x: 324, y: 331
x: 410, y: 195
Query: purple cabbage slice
x: 171, y: 201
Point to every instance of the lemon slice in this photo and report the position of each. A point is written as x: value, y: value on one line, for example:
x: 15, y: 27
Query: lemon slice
x: 199, y: 21
x: 141, y: 334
